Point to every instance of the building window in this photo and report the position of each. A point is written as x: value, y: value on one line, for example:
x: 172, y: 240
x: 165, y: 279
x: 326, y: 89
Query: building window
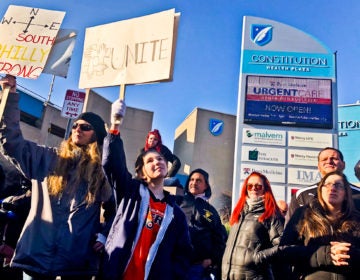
x: 30, y: 120
x: 56, y: 130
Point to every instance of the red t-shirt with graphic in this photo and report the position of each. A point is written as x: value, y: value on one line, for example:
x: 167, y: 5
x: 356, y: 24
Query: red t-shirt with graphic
x: 136, y: 267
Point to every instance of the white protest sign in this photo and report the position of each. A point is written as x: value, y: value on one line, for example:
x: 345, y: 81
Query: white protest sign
x: 73, y: 104
x: 27, y: 35
x: 59, y: 58
x: 133, y: 51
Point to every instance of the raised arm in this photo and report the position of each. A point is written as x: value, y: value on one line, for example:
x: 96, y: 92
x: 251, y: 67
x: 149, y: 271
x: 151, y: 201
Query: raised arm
x: 173, y: 159
x: 29, y: 155
x: 114, y: 159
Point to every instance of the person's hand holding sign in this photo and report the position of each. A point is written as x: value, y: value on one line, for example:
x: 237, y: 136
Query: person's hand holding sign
x: 10, y: 82
x: 8, y: 85
x: 118, y: 109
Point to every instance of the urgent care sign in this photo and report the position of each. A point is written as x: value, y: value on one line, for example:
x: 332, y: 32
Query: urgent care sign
x: 73, y: 104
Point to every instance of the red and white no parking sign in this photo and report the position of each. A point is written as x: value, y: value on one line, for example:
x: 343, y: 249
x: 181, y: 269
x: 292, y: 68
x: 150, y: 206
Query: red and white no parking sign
x: 73, y: 104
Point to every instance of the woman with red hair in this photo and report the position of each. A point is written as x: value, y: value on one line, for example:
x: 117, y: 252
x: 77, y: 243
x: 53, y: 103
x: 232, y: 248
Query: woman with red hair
x: 153, y: 141
x: 256, y: 226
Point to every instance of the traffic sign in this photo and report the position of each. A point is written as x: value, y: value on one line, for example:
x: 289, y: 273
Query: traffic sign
x: 73, y: 104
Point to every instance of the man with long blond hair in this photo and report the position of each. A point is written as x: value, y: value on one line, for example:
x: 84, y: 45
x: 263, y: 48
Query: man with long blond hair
x: 62, y: 235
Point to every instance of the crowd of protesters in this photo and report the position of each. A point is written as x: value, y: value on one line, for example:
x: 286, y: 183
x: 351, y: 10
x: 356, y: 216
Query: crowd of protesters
x: 148, y: 233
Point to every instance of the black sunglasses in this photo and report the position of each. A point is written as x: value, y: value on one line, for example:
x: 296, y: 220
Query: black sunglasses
x: 83, y: 126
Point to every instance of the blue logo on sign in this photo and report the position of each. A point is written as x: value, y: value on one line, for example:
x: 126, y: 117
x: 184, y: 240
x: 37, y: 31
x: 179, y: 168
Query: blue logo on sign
x: 216, y: 127
x: 261, y: 34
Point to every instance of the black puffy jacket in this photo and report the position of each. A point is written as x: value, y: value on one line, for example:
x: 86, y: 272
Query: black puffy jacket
x: 246, y: 240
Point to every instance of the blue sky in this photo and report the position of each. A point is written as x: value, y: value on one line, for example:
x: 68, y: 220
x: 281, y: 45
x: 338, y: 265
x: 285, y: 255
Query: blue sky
x: 206, y: 69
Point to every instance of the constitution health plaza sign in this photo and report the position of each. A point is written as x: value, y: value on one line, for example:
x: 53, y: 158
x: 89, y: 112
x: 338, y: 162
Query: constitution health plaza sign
x: 287, y: 105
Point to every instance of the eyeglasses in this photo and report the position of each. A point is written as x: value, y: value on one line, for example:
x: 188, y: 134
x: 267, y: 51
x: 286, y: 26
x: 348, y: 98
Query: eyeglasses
x: 338, y: 186
x: 83, y: 126
x: 257, y: 187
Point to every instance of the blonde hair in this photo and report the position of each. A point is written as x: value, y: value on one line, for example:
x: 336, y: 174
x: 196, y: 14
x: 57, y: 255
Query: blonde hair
x: 86, y: 160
